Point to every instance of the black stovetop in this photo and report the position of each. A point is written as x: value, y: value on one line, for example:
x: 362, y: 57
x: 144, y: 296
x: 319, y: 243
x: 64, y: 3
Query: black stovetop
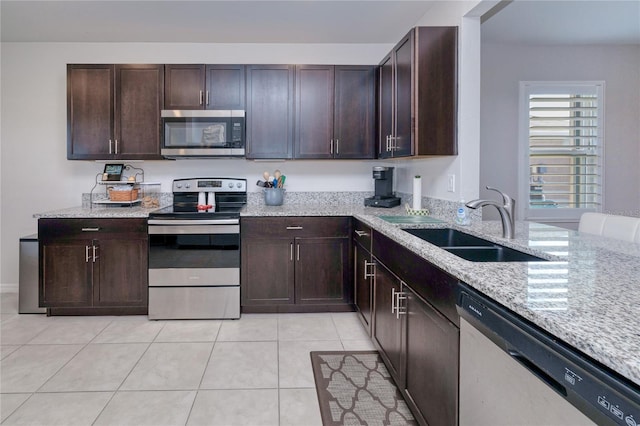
x: 171, y: 212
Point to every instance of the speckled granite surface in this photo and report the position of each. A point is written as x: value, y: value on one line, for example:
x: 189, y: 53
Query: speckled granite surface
x: 587, y: 296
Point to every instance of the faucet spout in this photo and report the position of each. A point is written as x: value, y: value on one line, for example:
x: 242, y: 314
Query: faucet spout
x: 506, y: 210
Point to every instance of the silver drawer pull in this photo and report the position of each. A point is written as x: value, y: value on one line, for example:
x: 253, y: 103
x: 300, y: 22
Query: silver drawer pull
x: 90, y: 229
x: 361, y: 233
x: 373, y: 269
x: 294, y: 227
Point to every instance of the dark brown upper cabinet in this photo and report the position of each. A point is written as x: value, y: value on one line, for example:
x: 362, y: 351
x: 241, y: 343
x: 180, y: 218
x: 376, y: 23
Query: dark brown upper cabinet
x: 113, y: 111
x: 418, y: 95
x: 269, y: 124
x: 195, y: 86
x: 335, y: 112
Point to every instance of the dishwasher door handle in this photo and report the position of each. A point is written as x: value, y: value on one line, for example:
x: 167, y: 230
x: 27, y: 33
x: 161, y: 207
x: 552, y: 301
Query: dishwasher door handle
x: 538, y: 372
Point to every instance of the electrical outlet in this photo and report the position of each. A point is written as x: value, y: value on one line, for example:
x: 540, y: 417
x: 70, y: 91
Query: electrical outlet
x: 451, y: 183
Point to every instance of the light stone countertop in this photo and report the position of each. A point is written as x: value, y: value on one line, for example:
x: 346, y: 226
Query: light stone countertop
x: 588, y: 295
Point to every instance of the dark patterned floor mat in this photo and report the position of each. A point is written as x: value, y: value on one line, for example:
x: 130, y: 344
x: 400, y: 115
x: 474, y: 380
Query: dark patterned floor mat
x: 355, y: 388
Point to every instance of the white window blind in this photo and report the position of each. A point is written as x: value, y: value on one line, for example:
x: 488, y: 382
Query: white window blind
x: 563, y: 146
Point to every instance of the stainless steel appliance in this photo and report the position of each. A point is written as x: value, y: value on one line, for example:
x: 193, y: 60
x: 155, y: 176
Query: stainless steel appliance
x: 28, y: 276
x: 203, y: 133
x: 194, y: 251
x: 511, y: 372
x: 383, y: 196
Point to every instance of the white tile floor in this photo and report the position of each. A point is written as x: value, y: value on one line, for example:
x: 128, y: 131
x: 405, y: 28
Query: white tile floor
x: 132, y: 371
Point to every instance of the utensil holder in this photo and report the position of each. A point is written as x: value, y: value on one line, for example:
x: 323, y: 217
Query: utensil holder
x: 273, y: 196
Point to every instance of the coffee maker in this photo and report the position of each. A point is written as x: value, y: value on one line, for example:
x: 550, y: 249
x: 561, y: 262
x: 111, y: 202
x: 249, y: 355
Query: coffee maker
x: 383, y: 178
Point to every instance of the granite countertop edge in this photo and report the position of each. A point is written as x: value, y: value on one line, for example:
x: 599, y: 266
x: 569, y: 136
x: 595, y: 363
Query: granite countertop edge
x: 594, y: 321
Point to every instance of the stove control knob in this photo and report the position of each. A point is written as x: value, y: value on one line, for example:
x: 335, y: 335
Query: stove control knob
x: 239, y: 185
x: 178, y: 185
x: 187, y: 185
x: 230, y: 184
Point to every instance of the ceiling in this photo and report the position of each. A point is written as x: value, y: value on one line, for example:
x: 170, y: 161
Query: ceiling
x: 305, y: 21
x: 565, y: 22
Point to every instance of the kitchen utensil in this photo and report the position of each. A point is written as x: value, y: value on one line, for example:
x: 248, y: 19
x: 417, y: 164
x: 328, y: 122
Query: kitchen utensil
x: 265, y: 175
x: 275, y: 182
x: 261, y: 183
x: 277, y: 174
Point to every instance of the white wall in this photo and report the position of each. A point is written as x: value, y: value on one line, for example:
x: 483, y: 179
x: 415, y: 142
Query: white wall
x: 37, y: 177
x: 505, y: 65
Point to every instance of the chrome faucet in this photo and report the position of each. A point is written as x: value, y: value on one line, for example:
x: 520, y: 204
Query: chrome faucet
x: 506, y: 210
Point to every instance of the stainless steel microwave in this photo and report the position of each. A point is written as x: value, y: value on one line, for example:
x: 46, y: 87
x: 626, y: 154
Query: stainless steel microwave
x: 203, y: 133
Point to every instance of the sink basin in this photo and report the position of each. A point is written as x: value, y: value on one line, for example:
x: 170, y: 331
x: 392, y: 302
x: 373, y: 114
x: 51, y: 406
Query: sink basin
x: 448, y: 237
x: 496, y: 253
x: 470, y: 247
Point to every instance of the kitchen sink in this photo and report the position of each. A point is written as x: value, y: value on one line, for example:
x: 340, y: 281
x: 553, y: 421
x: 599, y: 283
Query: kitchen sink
x: 447, y: 237
x: 470, y: 247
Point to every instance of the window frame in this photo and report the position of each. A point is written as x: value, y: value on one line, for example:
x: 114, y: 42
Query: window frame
x: 569, y: 214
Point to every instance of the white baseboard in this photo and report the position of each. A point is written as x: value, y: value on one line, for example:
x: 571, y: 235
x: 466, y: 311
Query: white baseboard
x: 9, y: 288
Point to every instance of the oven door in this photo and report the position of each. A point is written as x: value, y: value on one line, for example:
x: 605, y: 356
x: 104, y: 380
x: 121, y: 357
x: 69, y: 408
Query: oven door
x: 190, y: 253
x: 203, y: 133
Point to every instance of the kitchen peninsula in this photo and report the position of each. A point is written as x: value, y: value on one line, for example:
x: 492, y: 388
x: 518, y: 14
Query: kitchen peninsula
x: 598, y: 314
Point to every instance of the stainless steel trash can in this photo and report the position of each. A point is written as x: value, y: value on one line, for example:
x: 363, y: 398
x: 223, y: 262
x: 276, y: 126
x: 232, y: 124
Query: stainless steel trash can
x: 28, y: 278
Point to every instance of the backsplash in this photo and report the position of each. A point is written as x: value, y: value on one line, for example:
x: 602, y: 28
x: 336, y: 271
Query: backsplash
x: 442, y: 209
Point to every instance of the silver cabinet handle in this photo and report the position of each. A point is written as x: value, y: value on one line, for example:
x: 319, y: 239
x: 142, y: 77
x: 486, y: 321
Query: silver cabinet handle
x: 90, y: 229
x: 331, y: 147
x: 110, y: 146
x: 86, y: 254
x: 294, y: 227
x: 201, y: 97
x: 337, y: 146
x: 291, y: 252
x: 373, y: 269
x: 400, y: 295
x: 361, y: 233
x: 298, y: 252
x: 94, y: 254
x: 393, y: 300
x: 116, y: 146
x: 207, y: 97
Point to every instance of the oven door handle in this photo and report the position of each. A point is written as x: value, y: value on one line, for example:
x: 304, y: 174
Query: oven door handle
x: 193, y: 222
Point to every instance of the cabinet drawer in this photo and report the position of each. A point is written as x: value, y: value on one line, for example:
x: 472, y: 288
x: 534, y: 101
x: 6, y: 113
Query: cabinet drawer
x: 91, y: 228
x: 294, y: 227
x: 361, y: 234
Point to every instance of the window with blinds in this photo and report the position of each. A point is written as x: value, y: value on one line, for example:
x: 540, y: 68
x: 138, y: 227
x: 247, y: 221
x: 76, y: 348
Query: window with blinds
x: 563, y: 146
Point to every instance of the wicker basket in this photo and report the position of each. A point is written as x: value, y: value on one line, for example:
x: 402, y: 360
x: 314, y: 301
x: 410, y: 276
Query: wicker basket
x: 127, y: 196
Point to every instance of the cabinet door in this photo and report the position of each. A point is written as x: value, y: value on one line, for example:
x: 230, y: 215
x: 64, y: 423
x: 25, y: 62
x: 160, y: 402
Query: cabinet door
x: 320, y: 271
x: 225, y: 87
x: 65, y: 273
x: 386, y: 106
x: 388, y: 327
x: 402, y: 142
x: 363, y: 284
x: 267, y: 271
x: 139, y: 99
x: 90, y: 115
x: 431, y: 362
x: 354, y: 112
x: 314, y: 112
x: 120, y: 273
x: 184, y: 86
x: 269, y: 111
x: 436, y: 91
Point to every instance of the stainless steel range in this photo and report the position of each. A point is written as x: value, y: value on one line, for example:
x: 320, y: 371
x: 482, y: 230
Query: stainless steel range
x: 194, y: 251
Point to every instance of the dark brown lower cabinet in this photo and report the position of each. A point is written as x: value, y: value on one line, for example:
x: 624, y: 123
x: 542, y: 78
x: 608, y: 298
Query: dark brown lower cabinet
x: 416, y: 330
x: 389, y: 324
x: 362, y: 272
x: 431, y: 362
x: 93, y: 266
x: 295, y: 264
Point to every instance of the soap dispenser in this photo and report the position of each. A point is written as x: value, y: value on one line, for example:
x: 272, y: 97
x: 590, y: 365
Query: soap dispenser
x: 462, y: 215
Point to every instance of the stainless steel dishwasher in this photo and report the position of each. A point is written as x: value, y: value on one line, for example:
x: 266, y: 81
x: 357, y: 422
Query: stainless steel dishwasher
x: 513, y: 373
